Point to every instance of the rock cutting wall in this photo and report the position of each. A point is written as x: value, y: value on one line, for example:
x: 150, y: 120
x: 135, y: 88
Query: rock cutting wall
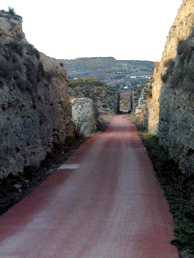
x: 176, y: 117
x: 170, y: 109
x: 35, y: 114
x: 135, y: 95
x: 141, y: 108
x: 106, y: 99
x: 181, y: 29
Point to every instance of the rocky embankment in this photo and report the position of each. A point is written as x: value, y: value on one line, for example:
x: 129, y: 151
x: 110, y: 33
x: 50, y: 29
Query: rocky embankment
x: 106, y: 99
x: 35, y: 114
x: 170, y: 103
x: 139, y: 97
x: 83, y: 116
x: 91, y: 97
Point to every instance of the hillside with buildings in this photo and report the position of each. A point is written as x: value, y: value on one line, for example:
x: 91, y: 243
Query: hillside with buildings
x: 123, y: 74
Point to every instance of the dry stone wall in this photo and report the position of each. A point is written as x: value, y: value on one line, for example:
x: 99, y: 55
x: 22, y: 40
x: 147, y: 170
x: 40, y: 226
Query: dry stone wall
x: 35, y: 114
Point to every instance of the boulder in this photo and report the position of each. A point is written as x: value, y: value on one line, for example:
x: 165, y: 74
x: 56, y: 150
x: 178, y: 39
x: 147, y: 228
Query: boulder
x: 83, y: 115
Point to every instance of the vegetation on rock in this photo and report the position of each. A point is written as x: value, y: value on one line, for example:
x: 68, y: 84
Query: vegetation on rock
x: 35, y: 114
x: 106, y: 99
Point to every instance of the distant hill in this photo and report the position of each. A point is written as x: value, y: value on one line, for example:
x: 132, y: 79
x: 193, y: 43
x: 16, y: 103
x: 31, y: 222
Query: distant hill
x: 123, y: 74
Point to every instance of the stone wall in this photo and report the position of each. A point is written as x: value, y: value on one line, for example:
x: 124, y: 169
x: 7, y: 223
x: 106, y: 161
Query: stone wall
x: 35, y: 114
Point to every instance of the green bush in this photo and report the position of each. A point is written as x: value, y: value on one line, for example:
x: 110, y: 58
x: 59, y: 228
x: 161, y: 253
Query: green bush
x: 176, y: 79
x: 89, y: 82
x: 5, y: 69
x: 11, y: 10
x: 164, y: 77
x: 182, y: 45
x: 15, y: 46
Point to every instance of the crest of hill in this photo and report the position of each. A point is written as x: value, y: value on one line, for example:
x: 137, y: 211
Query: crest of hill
x: 115, y: 73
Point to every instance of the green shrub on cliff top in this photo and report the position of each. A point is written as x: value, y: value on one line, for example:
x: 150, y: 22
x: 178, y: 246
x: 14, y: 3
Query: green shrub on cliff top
x: 11, y: 10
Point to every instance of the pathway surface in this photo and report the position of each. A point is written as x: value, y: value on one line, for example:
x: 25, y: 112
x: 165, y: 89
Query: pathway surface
x: 103, y: 202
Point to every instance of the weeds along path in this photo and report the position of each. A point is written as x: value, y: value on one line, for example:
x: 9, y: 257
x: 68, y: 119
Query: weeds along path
x: 103, y: 202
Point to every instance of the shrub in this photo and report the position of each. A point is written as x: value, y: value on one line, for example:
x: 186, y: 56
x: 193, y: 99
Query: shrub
x: 30, y: 71
x: 89, y: 82
x: 171, y: 65
x: 188, y: 84
x: 167, y: 62
x: 15, y: 59
x: 32, y: 51
x: 189, y: 53
x: 15, y: 46
x: 11, y: 10
x: 182, y: 46
x: 6, y: 69
x: 190, y: 73
x: 164, y: 77
x: 176, y: 79
x: 40, y: 72
x: 33, y: 72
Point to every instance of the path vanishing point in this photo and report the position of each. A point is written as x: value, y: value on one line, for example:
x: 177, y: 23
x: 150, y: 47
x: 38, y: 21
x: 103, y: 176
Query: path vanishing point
x: 103, y: 202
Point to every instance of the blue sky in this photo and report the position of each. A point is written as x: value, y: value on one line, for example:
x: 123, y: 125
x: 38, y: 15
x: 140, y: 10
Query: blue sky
x: 125, y: 29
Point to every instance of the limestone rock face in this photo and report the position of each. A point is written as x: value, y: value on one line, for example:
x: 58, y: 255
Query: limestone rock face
x: 106, y: 99
x: 181, y: 29
x: 176, y: 117
x: 141, y: 110
x: 142, y: 101
x: 135, y: 95
x: 170, y: 109
x: 35, y: 114
x: 83, y: 115
x: 10, y: 27
x: 139, y: 99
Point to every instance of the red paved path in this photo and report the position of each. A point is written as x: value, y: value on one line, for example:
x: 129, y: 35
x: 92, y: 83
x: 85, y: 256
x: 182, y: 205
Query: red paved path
x: 104, y: 202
